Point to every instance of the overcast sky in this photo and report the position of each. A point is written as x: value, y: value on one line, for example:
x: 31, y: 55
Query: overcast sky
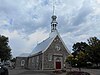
x: 27, y: 22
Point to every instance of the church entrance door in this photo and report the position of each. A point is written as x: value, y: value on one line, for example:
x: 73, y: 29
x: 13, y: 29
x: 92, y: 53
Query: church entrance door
x: 58, y: 62
x: 58, y: 65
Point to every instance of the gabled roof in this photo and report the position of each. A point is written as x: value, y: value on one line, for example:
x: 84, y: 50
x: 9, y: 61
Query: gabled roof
x: 44, y: 44
x: 41, y: 47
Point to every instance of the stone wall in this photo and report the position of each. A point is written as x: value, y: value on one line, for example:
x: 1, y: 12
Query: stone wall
x: 35, y: 62
x: 18, y: 62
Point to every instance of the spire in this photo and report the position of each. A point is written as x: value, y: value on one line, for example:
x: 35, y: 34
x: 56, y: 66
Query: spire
x: 54, y: 22
x: 53, y: 8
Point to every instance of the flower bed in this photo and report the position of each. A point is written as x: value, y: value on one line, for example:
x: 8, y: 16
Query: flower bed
x: 77, y: 73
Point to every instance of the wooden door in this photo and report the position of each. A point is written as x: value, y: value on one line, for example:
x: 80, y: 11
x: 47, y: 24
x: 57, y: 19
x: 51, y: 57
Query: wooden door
x: 58, y: 65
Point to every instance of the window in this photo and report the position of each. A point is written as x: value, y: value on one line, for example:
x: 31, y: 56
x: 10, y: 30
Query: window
x: 22, y: 62
x: 50, y: 57
x: 57, y: 47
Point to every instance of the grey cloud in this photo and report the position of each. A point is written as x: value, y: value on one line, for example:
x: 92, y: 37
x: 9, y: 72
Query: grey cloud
x: 83, y: 12
x: 76, y: 18
x: 22, y: 18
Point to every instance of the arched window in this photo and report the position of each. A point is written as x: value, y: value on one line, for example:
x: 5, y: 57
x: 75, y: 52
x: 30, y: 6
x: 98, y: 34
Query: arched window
x: 22, y: 62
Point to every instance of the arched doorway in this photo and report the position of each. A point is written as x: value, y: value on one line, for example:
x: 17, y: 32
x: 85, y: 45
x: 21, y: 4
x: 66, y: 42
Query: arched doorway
x: 58, y: 63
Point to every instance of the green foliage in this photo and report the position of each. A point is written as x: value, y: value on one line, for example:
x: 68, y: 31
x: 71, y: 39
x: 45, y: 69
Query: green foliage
x: 80, y: 55
x: 71, y: 60
x: 79, y: 46
x: 84, y: 52
x: 81, y: 59
x: 93, y: 42
x: 5, y: 50
x: 94, y: 50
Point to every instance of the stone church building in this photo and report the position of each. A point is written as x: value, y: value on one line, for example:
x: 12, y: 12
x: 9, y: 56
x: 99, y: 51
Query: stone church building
x: 50, y: 54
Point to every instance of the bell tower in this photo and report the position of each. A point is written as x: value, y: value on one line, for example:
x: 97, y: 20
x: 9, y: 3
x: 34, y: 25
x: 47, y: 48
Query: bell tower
x: 54, y: 22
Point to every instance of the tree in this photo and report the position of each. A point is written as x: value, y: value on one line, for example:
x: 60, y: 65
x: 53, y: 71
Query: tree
x: 71, y: 60
x: 5, y: 50
x: 76, y: 61
x: 13, y: 60
x: 94, y: 50
x: 81, y: 59
x: 79, y: 46
x: 87, y: 53
x: 80, y: 53
x: 93, y: 42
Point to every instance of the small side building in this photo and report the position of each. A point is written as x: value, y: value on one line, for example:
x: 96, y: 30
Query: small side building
x: 22, y: 61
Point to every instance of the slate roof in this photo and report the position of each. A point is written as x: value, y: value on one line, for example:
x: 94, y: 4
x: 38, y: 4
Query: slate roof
x: 44, y: 44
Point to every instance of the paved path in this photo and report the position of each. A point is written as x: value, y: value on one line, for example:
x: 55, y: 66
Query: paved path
x: 31, y: 72
x: 91, y: 71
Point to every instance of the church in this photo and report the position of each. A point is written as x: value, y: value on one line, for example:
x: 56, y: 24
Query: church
x: 50, y: 54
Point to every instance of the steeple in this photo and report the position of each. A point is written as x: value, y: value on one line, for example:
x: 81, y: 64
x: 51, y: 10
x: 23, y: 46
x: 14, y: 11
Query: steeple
x: 54, y: 22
